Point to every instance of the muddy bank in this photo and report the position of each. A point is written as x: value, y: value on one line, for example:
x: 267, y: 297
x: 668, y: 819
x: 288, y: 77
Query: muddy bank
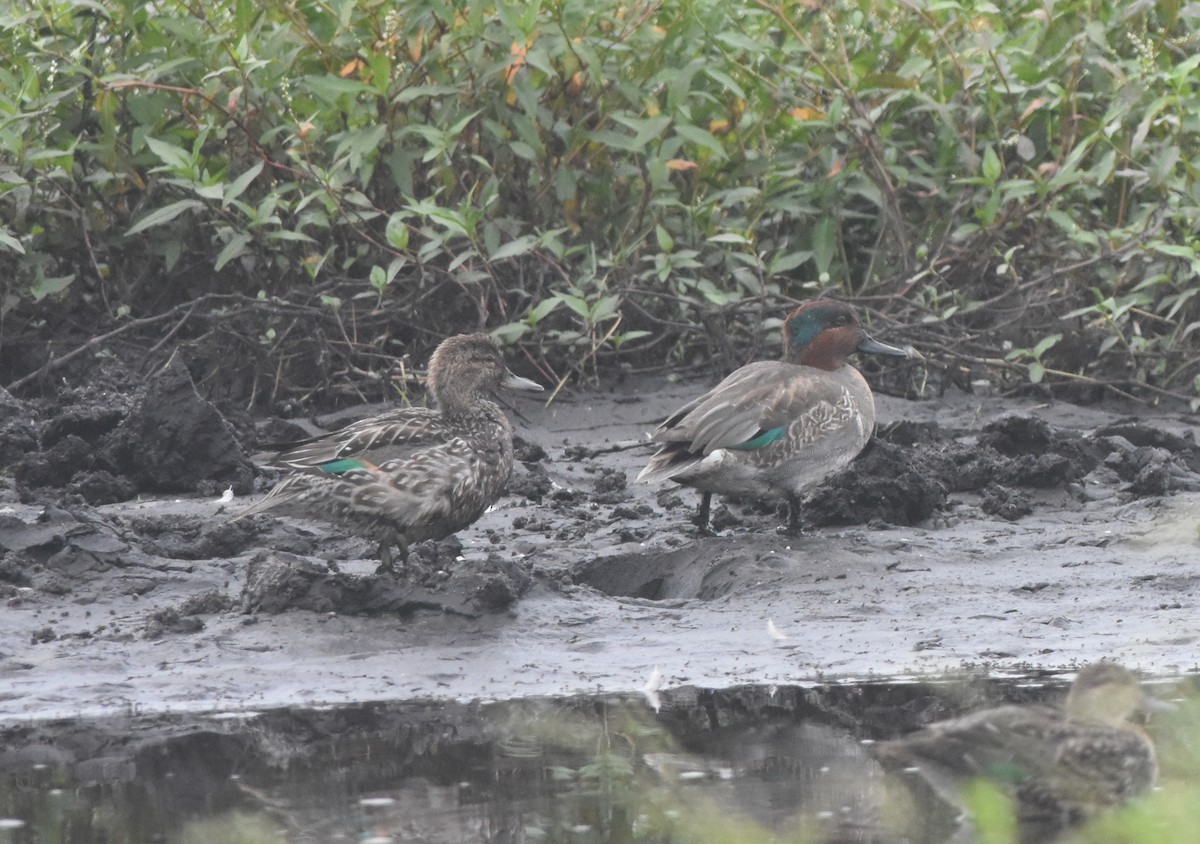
x: 998, y: 534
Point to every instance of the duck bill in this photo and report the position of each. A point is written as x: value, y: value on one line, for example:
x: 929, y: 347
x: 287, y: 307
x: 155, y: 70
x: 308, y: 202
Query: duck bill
x: 512, y: 381
x: 871, y: 346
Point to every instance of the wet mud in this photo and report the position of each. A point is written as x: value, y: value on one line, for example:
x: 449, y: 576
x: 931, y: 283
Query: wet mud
x: 972, y: 531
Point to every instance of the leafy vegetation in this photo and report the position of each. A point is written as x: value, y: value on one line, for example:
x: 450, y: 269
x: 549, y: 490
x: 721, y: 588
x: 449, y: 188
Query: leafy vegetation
x: 297, y: 192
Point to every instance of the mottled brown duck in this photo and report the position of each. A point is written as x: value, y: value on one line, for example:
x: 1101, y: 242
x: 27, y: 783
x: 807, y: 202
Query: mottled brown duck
x: 415, y: 473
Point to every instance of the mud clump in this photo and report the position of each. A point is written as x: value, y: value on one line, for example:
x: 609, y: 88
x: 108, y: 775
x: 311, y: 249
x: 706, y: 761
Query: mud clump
x: 175, y: 441
x: 278, y: 582
x: 100, y: 445
x: 1006, y: 503
x: 884, y: 484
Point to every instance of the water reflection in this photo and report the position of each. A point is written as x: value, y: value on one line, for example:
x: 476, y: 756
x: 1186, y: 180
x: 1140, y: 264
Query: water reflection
x: 745, y: 765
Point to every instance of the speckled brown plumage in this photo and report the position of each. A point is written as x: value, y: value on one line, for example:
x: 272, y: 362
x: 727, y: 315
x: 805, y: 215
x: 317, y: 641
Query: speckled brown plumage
x: 1060, y: 765
x: 411, y: 474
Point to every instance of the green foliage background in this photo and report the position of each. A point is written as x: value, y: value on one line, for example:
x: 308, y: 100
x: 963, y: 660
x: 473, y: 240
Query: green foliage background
x: 295, y: 192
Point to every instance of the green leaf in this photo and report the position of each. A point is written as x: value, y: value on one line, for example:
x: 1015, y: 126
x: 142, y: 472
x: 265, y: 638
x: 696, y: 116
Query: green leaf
x: 515, y: 247
x: 48, y: 286
x: 417, y: 92
x: 578, y: 305
x: 565, y: 183
x: 730, y: 237
x: 7, y: 239
x: 397, y: 232
x: 726, y: 80
x: 824, y: 243
x: 163, y: 215
x: 666, y: 243
x: 1175, y: 250
x: 235, y: 247
x: 991, y: 167
x: 541, y: 310
x: 378, y: 278
x: 331, y: 88
x: 238, y: 186
x: 701, y: 137
x: 1045, y: 344
x: 175, y: 157
x: 786, y: 261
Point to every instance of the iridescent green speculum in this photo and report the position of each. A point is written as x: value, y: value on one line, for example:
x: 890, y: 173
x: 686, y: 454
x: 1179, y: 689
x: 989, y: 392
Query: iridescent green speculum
x: 762, y: 440
x: 339, y: 467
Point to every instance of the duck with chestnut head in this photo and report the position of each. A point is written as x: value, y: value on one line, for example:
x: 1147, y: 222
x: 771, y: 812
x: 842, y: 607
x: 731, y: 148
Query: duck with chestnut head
x: 776, y: 429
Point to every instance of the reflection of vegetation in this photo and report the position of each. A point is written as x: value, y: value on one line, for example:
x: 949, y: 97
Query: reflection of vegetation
x: 746, y: 765
x: 233, y: 828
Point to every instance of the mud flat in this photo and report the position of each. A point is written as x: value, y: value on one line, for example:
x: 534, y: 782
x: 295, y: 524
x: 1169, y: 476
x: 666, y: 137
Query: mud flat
x: 1002, y: 535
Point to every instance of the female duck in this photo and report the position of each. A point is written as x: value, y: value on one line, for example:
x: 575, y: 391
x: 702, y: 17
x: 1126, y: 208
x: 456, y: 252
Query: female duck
x: 1060, y: 765
x: 775, y: 429
x: 416, y: 473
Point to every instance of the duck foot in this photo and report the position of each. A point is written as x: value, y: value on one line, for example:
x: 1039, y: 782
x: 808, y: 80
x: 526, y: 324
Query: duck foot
x: 387, y: 560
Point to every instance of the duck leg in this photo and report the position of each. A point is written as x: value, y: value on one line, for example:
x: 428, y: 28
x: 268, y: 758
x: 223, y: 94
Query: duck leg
x: 701, y: 519
x: 386, y: 559
x: 794, y: 528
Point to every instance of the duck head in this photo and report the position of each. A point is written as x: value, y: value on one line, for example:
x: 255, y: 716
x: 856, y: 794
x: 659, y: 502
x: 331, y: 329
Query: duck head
x: 1104, y: 693
x: 467, y: 366
x: 823, y: 333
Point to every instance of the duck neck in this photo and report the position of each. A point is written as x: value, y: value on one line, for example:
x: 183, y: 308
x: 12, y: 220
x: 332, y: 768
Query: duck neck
x: 460, y: 402
x: 825, y: 351
x: 816, y: 357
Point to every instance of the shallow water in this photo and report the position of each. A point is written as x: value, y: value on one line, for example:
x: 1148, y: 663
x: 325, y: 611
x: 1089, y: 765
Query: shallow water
x: 750, y: 764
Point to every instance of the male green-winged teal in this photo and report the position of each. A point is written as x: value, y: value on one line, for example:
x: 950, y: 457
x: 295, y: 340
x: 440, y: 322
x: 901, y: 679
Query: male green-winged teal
x: 775, y: 429
x: 415, y: 473
x: 1059, y: 765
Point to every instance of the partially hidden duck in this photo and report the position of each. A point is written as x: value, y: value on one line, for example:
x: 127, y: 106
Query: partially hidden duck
x: 415, y: 473
x: 1059, y: 765
x: 776, y: 429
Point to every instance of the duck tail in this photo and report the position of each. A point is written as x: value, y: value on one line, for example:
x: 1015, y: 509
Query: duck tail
x: 670, y: 462
x: 281, y: 495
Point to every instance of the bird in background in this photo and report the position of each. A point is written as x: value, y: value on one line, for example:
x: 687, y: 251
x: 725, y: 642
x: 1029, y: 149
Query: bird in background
x: 776, y: 429
x: 1059, y: 765
x: 415, y: 473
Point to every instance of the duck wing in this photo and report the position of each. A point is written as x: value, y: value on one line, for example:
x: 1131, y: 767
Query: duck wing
x: 752, y: 408
x: 435, y: 486
x: 421, y: 488
x: 377, y: 439
x: 1009, y: 743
